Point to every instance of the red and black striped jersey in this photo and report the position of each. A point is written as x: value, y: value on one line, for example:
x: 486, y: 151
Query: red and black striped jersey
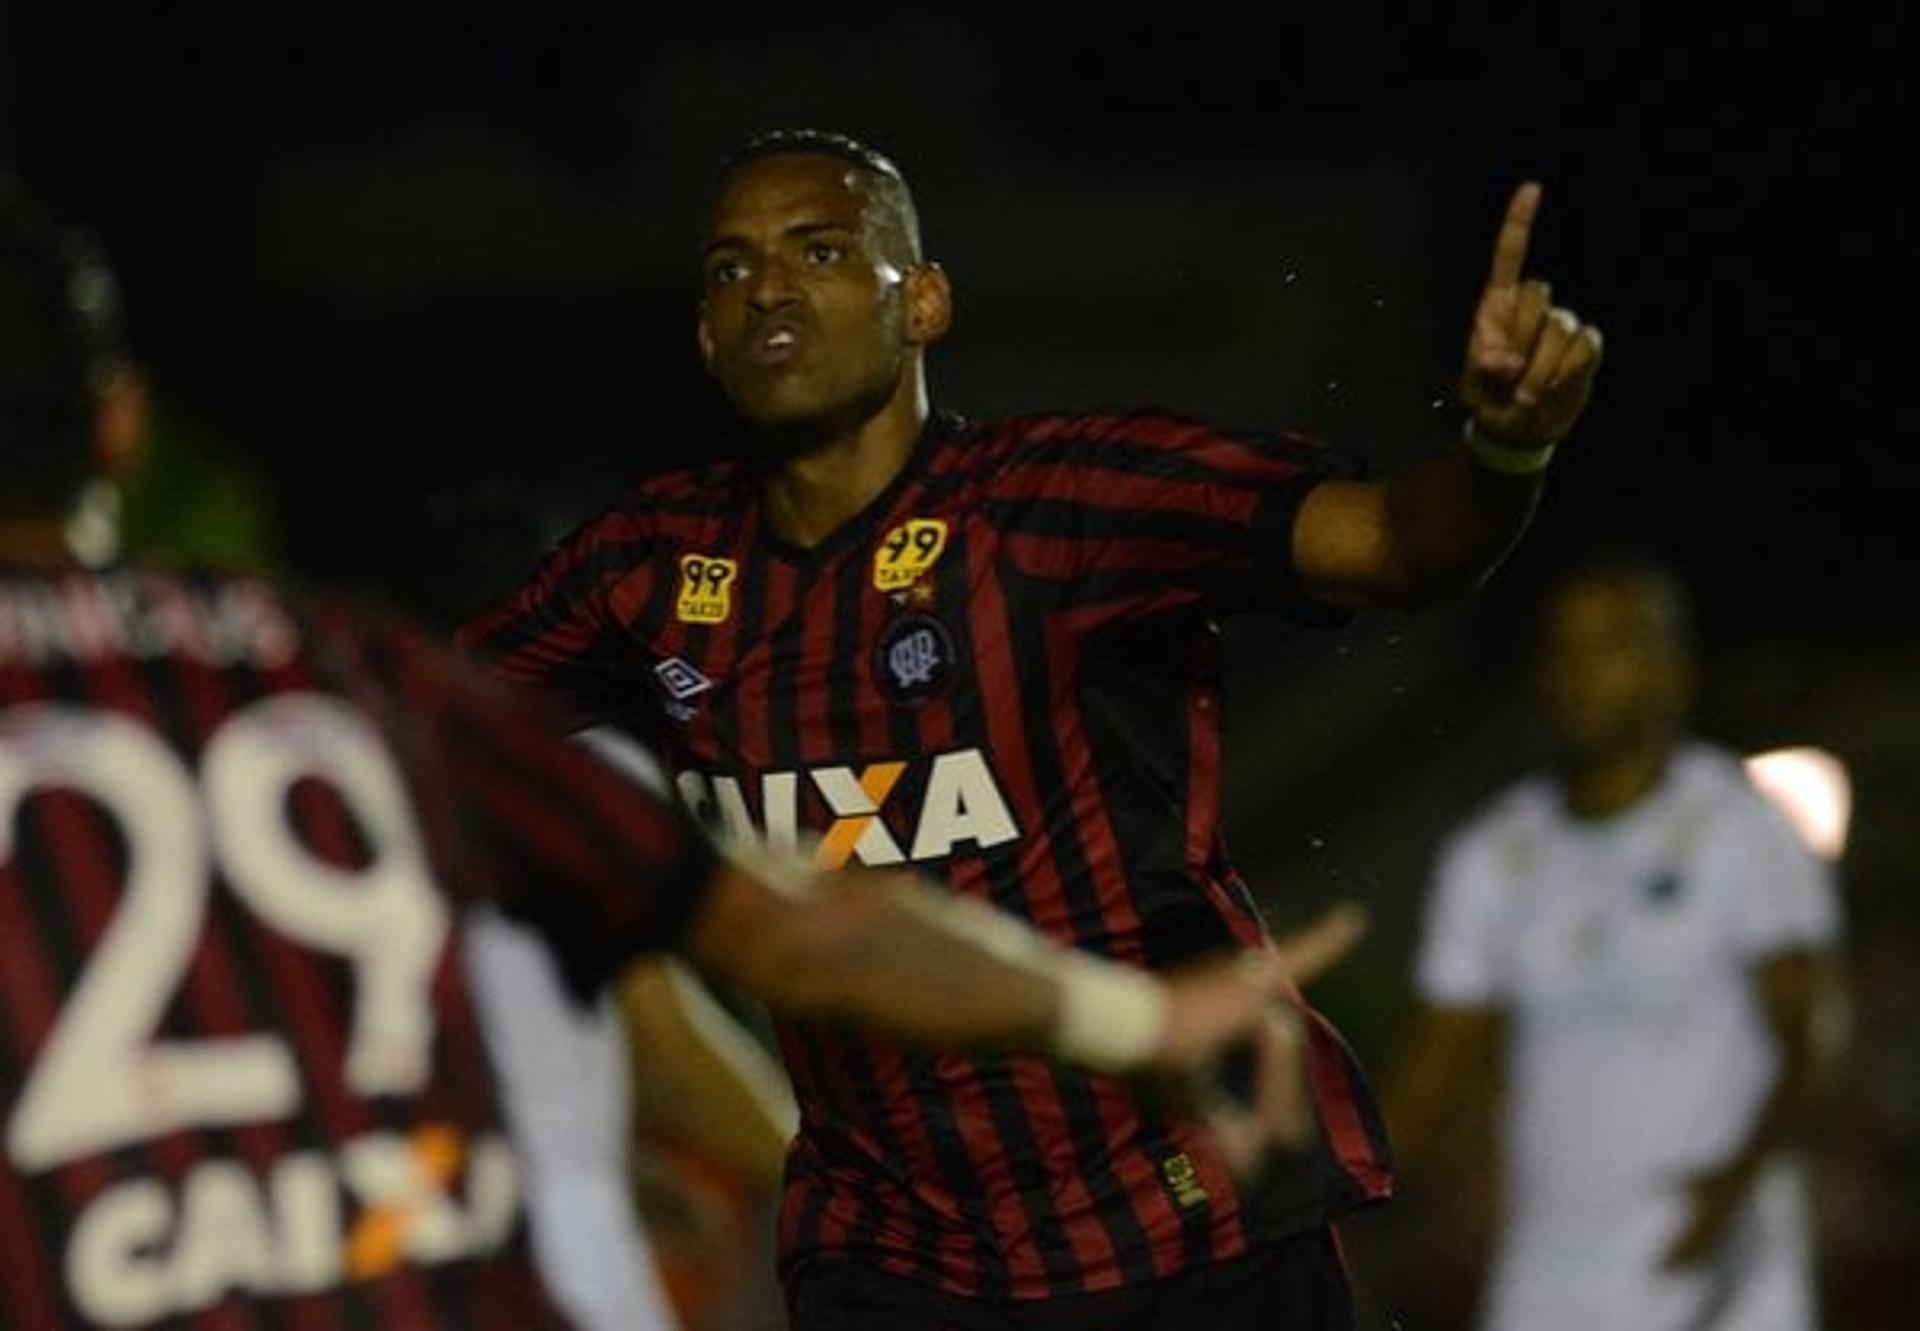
x: 240, y: 1080
x: 1003, y: 672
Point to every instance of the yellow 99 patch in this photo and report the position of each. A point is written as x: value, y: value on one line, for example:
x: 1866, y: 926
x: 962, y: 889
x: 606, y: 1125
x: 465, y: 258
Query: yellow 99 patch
x: 706, y: 589
x: 907, y: 552
x: 1183, y: 1179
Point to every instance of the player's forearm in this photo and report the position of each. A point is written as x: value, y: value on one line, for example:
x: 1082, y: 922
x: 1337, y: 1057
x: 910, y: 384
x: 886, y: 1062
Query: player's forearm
x: 881, y: 963
x: 701, y: 1076
x: 1792, y: 988
x: 1782, y: 1114
x: 1451, y: 521
x: 925, y: 968
x: 1450, y: 1057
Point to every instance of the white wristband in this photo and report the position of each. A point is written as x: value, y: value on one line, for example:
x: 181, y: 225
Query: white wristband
x: 1507, y: 459
x: 1111, y: 1016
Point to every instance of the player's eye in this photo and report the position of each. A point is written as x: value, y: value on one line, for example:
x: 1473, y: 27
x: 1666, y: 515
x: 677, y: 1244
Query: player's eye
x: 725, y: 272
x: 822, y: 252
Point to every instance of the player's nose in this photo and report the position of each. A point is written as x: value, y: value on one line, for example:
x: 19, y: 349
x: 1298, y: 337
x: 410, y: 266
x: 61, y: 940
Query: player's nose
x: 771, y: 286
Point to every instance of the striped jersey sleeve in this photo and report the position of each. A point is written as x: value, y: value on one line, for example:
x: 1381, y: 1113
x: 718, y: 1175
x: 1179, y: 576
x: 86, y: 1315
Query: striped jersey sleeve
x: 602, y: 866
x: 1146, y: 511
x: 561, y: 632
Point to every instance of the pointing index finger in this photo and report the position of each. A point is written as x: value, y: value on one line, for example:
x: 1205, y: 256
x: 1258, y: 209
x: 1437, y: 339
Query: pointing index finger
x: 1510, y: 249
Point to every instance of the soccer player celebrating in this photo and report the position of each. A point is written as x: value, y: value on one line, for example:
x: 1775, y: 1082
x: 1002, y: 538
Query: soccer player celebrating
x: 984, y: 648
x: 240, y: 1079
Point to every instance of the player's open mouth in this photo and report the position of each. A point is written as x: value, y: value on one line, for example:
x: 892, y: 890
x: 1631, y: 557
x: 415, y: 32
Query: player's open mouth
x: 775, y: 345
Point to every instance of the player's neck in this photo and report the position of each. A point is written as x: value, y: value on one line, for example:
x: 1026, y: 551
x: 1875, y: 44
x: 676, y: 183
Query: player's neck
x: 1607, y: 787
x: 809, y: 496
x: 34, y: 543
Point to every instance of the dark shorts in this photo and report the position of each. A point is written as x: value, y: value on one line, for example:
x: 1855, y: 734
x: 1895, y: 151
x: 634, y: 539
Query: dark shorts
x: 1298, y: 1285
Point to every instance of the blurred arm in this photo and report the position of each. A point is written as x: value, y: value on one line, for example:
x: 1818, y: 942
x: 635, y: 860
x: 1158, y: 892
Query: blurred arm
x: 701, y: 1077
x: 1448, y: 1065
x: 1796, y: 990
x: 859, y: 949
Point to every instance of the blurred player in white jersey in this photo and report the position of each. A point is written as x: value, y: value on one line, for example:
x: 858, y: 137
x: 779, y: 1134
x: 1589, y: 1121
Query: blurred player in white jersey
x: 1646, y: 947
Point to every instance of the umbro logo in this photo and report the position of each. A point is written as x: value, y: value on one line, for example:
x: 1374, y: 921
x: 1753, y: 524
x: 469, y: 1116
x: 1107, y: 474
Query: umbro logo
x: 681, y: 682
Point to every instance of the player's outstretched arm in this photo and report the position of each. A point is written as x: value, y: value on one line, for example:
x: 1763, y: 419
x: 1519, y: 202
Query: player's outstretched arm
x: 1439, y: 528
x: 884, y: 951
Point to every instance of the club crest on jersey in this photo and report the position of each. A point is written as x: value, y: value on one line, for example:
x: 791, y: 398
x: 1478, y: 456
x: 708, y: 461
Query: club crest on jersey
x: 913, y: 659
x: 682, y: 684
x: 706, y: 589
x: 907, y: 552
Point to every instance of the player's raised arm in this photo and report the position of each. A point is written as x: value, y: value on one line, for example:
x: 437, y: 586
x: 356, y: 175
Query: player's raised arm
x: 1439, y: 528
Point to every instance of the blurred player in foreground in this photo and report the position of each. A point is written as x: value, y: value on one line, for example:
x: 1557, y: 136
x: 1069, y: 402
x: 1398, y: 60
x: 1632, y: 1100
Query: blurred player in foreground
x: 1645, y: 946
x: 987, y: 647
x: 240, y: 1078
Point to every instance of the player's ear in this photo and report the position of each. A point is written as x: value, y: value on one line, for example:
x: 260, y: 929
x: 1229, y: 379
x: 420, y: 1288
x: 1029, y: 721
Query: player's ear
x: 929, y: 303
x: 705, y: 336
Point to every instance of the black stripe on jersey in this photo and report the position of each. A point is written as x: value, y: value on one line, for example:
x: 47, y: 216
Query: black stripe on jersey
x: 782, y: 640
x: 854, y: 1056
x: 1146, y: 445
x: 1028, y: 640
x: 1080, y: 522
x: 804, y: 1166
x: 527, y: 625
x: 53, y: 1196
x: 992, y: 1279
x: 1133, y: 667
x: 1124, y: 1234
x: 1017, y: 1138
x: 843, y: 729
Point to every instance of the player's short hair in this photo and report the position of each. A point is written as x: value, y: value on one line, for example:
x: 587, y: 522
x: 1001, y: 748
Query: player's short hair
x: 882, y: 179
x: 60, y: 332
x: 1626, y: 560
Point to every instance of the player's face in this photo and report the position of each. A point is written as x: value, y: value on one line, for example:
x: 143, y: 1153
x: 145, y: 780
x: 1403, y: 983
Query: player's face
x: 1609, y: 674
x: 803, y: 320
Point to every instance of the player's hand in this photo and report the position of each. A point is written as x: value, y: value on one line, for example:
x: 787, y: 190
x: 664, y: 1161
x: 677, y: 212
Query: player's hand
x: 1713, y: 1200
x: 1312, y: 950
x: 1244, y: 1006
x: 1530, y: 364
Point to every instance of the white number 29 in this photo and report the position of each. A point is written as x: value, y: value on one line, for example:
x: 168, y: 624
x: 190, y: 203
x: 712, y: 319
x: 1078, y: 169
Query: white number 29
x: 102, y: 1081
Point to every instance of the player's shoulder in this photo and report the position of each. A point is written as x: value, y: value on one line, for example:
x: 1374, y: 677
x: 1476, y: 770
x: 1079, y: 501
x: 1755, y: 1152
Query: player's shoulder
x: 709, y: 490
x: 1505, y: 824
x: 983, y: 447
x: 1704, y: 767
x: 1123, y: 424
x: 1726, y: 801
x: 704, y: 488
x: 1713, y: 779
x: 664, y: 503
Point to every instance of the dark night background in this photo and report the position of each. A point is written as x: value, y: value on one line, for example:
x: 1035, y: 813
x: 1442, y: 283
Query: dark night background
x: 429, y: 271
